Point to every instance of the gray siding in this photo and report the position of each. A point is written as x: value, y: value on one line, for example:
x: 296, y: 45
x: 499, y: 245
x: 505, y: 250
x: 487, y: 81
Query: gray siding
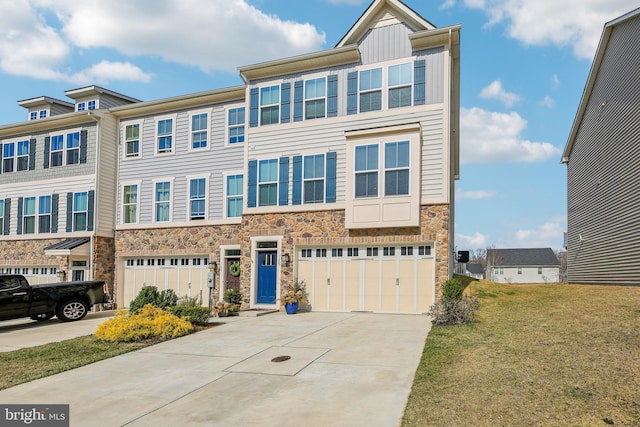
x: 385, y: 44
x: 109, y: 101
x: 107, y: 177
x: 212, y: 162
x: 602, y: 169
x: 56, y: 109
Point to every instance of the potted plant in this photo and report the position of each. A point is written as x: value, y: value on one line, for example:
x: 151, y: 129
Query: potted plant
x: 221, y: 308
x: 234, y: 298
x: 292, y: 298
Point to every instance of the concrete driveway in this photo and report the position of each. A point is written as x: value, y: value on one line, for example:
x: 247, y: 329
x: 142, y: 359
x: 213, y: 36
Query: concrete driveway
x: 344, y: 369
x: 22, y: 333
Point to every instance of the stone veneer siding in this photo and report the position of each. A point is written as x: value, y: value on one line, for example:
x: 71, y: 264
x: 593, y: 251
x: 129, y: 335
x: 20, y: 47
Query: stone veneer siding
x: 327, y: 228
x: 104, y: 260
x: 179, y: 241
x: 30, y: 253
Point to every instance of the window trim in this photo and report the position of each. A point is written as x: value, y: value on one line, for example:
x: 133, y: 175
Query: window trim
x: 13, y: 157
x: 156, y: 137
x: 241, y: 196
x: 384, y: 169
x: 207, y: 197
x: 23, y: 156
x: 170, y: 201
x: 382, y: 69
x: 410, y: 85
x: 228, y: 127
x: 65, y: 150
x: 207, y: 129
x: 278, y: 105
x: 74, y: 211
x: 260, y: 183
x: 324, y: 97
x: 323, y: 179
x: 385, y: 82
x: 68, y: 150
x: 125, y: 125
x: 124, y: 184
x: 34, y: 215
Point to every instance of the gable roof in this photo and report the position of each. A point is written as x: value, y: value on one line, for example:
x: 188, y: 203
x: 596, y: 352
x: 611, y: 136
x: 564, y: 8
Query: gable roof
x: 593, y: 75
x: 475, y: 268
x: 536, y: 257
x: 381, y: 11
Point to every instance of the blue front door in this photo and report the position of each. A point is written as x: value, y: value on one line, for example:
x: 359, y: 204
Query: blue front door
x: 267, y: 277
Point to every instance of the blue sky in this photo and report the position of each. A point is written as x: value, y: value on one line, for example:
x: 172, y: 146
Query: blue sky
x: 524, y: 64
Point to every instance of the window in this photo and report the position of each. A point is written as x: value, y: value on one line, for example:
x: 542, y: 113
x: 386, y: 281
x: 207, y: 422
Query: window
x: 80, y: 211
x: 130, y: 204
x: 315, y: 98
x: 23, y: 155
x: 163, y: 201
x: 352, y: 252
x: 336, y: 252
x: 389, y: 251
x: 132, y: 140
x: 199, y: 130
x: 81, y: 106
x: 44, y: 214
x: 197, y: 198
x: 539, y: 270
x: 33, y: 115
x: 370, y: 90
x: 269, y: 105
x: 29, y: 215
x: 366, y: 170
x: 400, y: 80
x: 43, y: 114
x: 372, y: 251
x: 424, y: 250
x: 396, y: 168
x: 8, y: 156
x: 57, y: 150
x: 268, y: 182
x: 313, y: 178
x: 305, y: 253
x: 235, y: 121
x: 406, y: 250
x: 234, y: 196
x: 519, y: 270
x: 165, y: 136
x: 73, y: 148
x: 321, y: 253
x: 2, y: 216
x: 91, y: 105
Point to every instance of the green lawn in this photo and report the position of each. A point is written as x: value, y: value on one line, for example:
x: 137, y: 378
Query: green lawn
x: 536, y: 355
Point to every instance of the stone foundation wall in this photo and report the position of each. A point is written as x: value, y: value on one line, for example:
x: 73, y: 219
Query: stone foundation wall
x: 104, y: 260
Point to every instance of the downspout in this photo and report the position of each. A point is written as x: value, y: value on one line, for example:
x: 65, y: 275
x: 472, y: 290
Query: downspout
x: 95, y: 199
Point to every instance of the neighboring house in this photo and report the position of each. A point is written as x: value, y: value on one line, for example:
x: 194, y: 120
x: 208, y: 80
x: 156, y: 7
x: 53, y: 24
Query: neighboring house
x: 474, y: 270
x: 602, y: 163
x: 180, y: 185
x: 57, y: 189
x: 522, y: 266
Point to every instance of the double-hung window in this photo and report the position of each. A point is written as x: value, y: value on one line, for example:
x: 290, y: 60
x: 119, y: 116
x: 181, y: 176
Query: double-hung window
x: 396, y: 168
x: 400, y: 81
x: 270, y: 105
x: 268, y: 182
x: 23, y: 155
x: 199, y: 124
x: 8, y: 156
x: 130, y: 204
x: 235, y: 123
x: 370, y: 92
x: 315, y: 92
x: 29, y: 215
x: 162, y: 200
x: 44, y: 214
x: 164, y: 132
x: 132, y: 140
x: 313, y: 177
x: 57, y: 150
x: 366, y: 170
x: 197, y: 198
x: 73, y: 148
x: 234, y: 196
x: 80, y: 211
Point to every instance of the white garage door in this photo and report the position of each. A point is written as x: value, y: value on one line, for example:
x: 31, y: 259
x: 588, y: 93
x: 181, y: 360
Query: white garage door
x: 388, y: 279
x: 186, y: 276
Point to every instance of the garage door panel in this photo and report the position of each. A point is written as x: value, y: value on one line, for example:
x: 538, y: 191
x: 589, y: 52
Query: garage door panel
x: 336, y: 285
x: 407, y: 285
x: 425, y: 285
x: 352, y: 286
x: 388, y: 288
x: 371, y: 285
x: 320, y: 287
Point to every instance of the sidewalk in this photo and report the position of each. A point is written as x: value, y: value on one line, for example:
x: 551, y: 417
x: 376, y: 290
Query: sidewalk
x: 345, y: 369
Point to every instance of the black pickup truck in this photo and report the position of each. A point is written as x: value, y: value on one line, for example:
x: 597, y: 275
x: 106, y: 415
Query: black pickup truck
x: 67, y: 300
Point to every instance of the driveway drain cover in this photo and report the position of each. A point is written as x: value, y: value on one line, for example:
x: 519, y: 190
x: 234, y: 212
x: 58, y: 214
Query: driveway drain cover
x: 280, y: 359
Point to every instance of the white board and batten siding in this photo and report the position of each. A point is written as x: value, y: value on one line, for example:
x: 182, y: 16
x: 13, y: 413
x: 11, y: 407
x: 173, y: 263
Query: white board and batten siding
x: 602, y: 170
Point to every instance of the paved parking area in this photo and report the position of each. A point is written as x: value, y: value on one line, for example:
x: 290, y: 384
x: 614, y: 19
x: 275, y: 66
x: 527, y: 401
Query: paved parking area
x: 343, y: 369
x: 21, y: 333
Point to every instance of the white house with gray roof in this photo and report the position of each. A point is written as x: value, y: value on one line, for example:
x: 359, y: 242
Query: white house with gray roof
x: 538, y: 265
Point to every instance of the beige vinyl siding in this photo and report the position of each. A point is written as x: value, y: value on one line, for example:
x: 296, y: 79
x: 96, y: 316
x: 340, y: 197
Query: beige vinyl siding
x: 603, y: 180
x: 55, y: 109
x: 107, y: 177
x: 385, y: 43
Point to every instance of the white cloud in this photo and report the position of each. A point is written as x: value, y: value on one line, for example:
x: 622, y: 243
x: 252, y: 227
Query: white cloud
x: 475, y: 195
x: 575, y: 23
x: 448, y: 4
x: 549, y: 234
x: 555, y: 81
x: 548, y: 102
x: 490, y: 137
x: 108, y: 71
x: 477, y: 241
x: 496, y: 91
x: 349, y: 2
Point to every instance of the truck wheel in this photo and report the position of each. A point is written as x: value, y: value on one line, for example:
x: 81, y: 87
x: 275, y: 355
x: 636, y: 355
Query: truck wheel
x: 43, y: 316
x: 72, y: 310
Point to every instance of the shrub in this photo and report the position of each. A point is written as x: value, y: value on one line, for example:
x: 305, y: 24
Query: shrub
x: 148, y: 323
x: 454, y: 311
x: 232, y: 296
x: 150, y: 295
x: 452, y: 290
x: 189, y: 301
x: 194, y: 314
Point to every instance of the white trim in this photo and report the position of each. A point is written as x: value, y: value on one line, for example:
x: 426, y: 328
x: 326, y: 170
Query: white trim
x: 123, y: 184
x: 254, y: 268
x: 207, y: 196
x: 123, y: 138
x: 157, y: 119
x: 65, y: 133
x: 153, y: 199
x: 225, y: 196
x: 304, y: 96
x: 209, y: 113
x: 223, y: 271
x: 226, y: 124
x: 324, y: 179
